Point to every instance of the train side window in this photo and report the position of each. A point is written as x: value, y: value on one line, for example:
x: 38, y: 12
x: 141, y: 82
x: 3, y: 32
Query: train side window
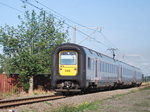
x: 110, y: 68
x: 89, y: 63
x: 101, y: 66
x: 98, y: 65
x: 92, y: 64
x: 106, y: 67
x: 113, y: 70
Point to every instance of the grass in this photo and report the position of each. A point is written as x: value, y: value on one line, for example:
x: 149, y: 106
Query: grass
x: 47, y: 102
x: 146, y: 83
x: 7, y: 94
x: 143, y: 104
x: 94, y: 105
x: 117, y: 96
x: 98, y: 105
x: 79, y: 108
x: 145, y: 88
x: 132, y: 91
x: 86, y: 106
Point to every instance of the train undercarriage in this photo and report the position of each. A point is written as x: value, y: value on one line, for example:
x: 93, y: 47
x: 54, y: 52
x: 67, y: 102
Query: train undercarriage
x: 74, y: 87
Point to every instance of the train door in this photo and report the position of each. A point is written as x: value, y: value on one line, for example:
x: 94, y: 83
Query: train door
x: 96, y: 68
x: 96, y: 72
x: 119, y: 70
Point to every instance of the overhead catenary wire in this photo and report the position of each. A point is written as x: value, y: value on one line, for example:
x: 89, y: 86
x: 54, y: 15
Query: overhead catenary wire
x: 75, y: 22
x: 108, y: 40
x: 11, y: 7
x: 62, y: 15
x: 26, y: 1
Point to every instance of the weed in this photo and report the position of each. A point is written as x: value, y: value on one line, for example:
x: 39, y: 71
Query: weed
x: 79, y: 108
x: 88, y: 106
x: 47, y: 102
x: 145, y: 88
x: 28, y: 111
x: 65, y: 109
x: 7, y: 94
x: 143, y: 104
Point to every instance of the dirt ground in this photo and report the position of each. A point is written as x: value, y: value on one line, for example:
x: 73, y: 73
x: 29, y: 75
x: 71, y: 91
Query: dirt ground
x: 134, y: 102
x: 121, y: 100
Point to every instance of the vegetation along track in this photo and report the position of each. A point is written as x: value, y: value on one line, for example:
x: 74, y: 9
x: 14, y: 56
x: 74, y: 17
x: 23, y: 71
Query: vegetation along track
x: 23, y: 101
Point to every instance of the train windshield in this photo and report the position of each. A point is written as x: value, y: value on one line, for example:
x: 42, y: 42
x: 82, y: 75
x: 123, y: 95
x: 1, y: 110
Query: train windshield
x: 68, y: 58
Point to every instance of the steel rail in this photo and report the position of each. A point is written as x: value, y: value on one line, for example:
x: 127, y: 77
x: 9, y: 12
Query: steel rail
x: 29, y: 100
x: 22, y: 101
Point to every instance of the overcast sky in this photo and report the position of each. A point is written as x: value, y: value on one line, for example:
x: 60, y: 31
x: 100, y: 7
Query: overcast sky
x: 124, y: 23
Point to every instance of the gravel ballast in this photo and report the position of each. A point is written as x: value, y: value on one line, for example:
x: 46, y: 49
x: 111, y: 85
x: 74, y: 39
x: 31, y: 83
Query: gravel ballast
x: 70, y: 101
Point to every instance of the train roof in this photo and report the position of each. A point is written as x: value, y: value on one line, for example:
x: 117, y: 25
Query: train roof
x: 101, y: 54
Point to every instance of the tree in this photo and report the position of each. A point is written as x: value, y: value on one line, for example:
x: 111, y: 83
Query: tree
x: 1, y: 64
x: 27, y: 49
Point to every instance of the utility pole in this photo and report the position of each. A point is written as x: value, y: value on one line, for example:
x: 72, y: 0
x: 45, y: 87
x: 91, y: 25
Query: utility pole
x: 74, y: 34
x: 113, y: 51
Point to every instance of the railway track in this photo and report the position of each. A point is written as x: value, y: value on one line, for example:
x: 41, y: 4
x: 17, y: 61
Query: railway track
x: 22, y: 101
x: 29, y: 100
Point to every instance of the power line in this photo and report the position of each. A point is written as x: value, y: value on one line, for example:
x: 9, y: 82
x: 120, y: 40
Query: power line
x: 57, y: 18
x: 87, y: 37
x: 108, y: 40
x: 26, y: 1
x: 62, y: 15
x: 75, y: 22
x: 11, y: 7
x: 100, y: 42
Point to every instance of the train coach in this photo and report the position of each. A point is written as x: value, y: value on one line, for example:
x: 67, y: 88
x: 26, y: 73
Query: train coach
x: 76, y: 68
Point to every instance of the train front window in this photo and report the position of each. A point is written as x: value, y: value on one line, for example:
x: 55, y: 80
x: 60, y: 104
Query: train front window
x: 68, y: 58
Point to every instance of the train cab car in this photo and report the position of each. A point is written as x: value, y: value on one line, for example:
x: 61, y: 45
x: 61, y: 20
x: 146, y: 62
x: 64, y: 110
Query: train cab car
x: 68, y: 68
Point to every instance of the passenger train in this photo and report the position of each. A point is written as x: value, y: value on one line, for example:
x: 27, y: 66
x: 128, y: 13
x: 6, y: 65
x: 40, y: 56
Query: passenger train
x: 76, y: 68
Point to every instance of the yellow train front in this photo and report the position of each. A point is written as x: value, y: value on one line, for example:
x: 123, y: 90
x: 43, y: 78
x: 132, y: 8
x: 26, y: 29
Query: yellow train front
x: 68, y: 71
